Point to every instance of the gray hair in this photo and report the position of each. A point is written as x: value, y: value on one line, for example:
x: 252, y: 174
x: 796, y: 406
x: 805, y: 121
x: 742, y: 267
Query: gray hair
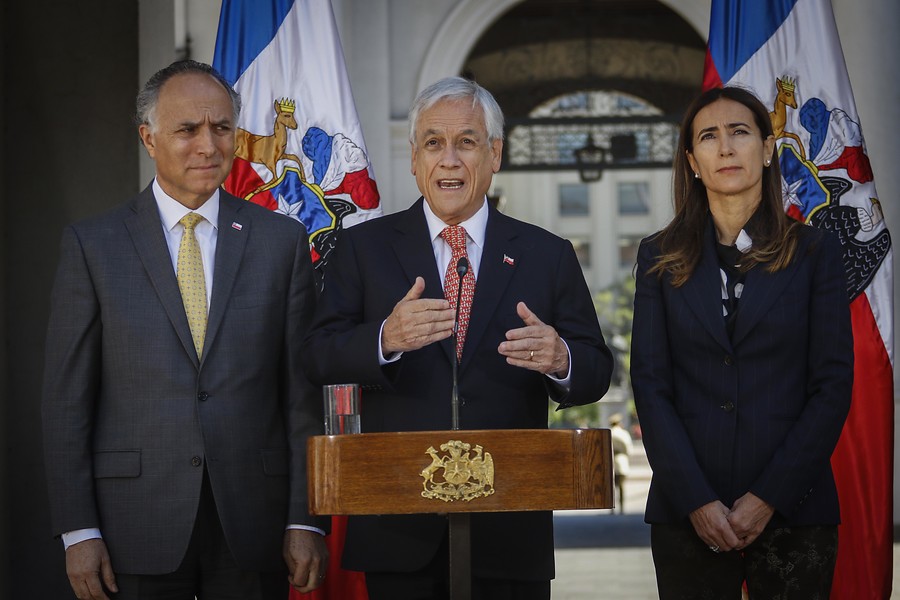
x: 457, y: 88
x: 148, y: 97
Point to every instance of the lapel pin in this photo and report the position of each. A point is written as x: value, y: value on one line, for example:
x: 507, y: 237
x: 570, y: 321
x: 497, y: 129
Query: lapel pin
x: 508, y: 261
x: 236, y: 225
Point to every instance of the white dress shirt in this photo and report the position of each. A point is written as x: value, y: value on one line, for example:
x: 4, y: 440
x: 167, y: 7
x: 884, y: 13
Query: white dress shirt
x: 171, y: 211
x: 475, y: 227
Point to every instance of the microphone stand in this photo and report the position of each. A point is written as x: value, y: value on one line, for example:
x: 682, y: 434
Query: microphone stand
x: 462, y: 267
x: 460, y: 531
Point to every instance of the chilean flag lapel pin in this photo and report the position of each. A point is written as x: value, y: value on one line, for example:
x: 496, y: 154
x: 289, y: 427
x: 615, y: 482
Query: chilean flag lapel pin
x: 236, y: 225
x: 507, y: 260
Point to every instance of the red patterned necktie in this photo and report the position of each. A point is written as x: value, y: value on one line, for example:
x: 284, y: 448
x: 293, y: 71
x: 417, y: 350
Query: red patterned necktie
x: 455, y: 236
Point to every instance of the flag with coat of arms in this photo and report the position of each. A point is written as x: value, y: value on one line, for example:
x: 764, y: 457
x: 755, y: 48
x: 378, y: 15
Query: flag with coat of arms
x: 789, y: 54
x: 299, y: 150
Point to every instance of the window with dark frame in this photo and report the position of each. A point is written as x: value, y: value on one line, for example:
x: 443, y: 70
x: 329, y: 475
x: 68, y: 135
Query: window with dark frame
x: 574, y: 200
x: 634, y: 197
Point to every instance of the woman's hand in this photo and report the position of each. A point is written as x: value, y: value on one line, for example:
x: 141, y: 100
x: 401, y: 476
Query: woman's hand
x: 748, y: 517
x: 710, y: 521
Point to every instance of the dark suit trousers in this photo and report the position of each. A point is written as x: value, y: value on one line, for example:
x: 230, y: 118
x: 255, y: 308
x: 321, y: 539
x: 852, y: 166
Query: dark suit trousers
x: 795, y: 563
x: 432, y: 583
x: 208, y: 571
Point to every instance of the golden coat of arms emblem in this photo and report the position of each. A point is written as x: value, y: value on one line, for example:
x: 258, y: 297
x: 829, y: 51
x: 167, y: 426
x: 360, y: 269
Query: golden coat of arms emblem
x: 458, y: 473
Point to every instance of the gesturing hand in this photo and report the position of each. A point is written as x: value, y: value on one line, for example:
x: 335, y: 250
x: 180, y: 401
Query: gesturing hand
x: 536, y: 346
x: 416, y: 322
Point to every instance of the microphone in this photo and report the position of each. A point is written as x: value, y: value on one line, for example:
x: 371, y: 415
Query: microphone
x: 462, y: 267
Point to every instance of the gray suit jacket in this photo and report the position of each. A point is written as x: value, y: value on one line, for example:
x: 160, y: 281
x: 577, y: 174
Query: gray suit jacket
x: 131, y: 416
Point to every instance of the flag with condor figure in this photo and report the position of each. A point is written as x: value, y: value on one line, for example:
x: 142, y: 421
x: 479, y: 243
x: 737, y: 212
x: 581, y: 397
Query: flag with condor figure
x: 789, y: 54
x: 300, y: 149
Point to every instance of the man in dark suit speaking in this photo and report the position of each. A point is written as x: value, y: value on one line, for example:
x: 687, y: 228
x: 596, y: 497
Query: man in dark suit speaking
x: 527, y: 331
x: 175, y: 412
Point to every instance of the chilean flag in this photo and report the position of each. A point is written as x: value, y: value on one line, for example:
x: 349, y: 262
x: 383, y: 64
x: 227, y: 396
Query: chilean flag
x: 789, y: 54
x: 300, y: 149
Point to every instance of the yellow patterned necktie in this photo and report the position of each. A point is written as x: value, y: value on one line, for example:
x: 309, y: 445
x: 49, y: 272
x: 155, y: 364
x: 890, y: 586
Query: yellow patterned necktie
x: 191, y: 280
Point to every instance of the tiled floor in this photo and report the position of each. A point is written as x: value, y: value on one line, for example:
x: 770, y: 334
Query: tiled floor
x: 621, y: 574
x: 601, y: 574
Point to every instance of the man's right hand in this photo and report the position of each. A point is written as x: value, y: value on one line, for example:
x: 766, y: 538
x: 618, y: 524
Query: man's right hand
x: 89, y: 570
x: 416, y: 322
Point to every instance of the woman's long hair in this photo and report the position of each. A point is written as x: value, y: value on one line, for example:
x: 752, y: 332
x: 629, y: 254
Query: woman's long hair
x: 774, y: 234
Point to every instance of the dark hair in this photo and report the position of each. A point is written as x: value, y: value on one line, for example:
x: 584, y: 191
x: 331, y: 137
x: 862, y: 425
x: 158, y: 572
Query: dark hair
x: 774, y: 234
x: 147, y: 98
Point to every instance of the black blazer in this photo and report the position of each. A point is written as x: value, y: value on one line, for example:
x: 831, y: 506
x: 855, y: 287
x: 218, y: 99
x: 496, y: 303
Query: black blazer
x: 372, y: 268
x: 759, y: 412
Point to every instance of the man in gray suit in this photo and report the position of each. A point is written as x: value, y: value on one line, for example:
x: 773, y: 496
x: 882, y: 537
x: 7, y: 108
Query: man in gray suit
x: 175, y: 409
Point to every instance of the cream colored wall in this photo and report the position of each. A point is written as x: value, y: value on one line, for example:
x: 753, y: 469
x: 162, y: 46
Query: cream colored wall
x: 534, y: 197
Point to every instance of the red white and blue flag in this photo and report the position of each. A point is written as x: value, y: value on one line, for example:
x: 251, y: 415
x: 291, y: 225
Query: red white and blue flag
x: 300, y: 148
x: 789, y: 54
x: 299, y: 151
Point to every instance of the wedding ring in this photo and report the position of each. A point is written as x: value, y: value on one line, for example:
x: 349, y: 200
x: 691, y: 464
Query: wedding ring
x: 714, y: 549
x: 532, y: 355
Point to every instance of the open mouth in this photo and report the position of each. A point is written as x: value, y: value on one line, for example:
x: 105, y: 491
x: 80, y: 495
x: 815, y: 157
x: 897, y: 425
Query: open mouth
x: 450, y: 184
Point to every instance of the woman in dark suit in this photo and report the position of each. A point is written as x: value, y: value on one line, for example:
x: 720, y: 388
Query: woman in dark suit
x: 742, y: 367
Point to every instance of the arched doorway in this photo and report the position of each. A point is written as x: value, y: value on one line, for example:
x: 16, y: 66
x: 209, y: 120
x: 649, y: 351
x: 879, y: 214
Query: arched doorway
x: 620, y: 70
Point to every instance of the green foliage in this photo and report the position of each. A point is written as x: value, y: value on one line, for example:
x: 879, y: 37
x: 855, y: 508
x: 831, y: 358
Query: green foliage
x: 615, y: 311
x: 579, y: 417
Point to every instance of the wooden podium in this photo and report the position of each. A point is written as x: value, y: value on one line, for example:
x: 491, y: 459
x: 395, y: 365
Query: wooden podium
x: 459, y: 472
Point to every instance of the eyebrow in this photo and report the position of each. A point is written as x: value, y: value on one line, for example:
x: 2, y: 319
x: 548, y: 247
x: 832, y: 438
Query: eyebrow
x: 728, y: 126
x: 214, y: 123
x: 470, y: 132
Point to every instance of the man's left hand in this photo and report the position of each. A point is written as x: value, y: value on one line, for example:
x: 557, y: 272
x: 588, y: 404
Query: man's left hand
x: 306, y: 557
x: 536, y: 346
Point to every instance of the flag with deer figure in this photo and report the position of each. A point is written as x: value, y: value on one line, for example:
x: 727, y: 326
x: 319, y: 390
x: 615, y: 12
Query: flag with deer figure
x: 789, y: 54
x: 300, y: 149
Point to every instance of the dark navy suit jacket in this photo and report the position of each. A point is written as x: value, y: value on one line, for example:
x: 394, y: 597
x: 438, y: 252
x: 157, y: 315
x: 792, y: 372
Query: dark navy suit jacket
x: 758, y: 412
x: 372, y: 268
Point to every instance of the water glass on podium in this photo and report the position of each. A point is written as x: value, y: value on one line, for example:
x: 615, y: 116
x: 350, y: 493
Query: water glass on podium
x: 341, y: 408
